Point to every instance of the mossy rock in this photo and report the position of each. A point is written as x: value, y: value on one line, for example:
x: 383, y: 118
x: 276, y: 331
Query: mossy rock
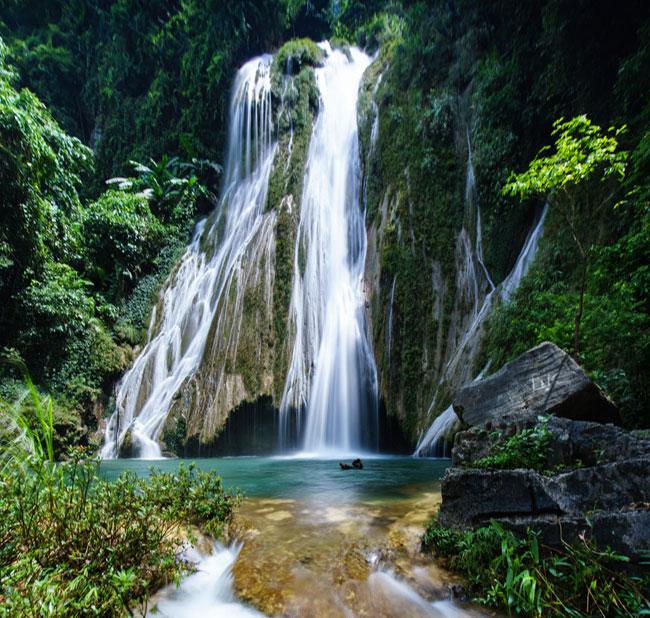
x: 127, y: 449
x: 298, y: 53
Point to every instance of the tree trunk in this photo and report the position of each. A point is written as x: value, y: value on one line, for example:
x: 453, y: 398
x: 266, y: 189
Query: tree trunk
x: 579, y: 312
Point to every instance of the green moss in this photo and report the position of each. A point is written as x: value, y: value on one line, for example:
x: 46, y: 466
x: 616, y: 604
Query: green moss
x: 342, y: 45
x: 296, y: 54
x: 417, y: 170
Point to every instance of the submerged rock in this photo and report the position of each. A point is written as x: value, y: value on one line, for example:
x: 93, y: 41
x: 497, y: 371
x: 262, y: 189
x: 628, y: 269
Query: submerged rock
x: 543, y: 380
x: 357, y: 464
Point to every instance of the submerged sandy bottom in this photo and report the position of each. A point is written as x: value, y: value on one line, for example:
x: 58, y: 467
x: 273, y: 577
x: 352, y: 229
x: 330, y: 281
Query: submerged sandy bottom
x: 302, y: 558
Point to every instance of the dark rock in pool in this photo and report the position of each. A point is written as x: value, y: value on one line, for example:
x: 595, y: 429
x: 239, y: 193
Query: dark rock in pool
x: 543, y: 380
x: 357, y: 464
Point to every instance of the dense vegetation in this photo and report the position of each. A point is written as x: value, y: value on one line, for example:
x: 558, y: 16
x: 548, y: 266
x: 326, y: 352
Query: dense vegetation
x: 526, y: 578
x: 499, y: 75
x: 136, y: 94
x: 76, y: 545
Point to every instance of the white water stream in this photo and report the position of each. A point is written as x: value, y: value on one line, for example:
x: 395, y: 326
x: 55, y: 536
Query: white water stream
x: 332, y: 373
x: 433, y: 441
x: 209, y: 280
x: 207, y: 593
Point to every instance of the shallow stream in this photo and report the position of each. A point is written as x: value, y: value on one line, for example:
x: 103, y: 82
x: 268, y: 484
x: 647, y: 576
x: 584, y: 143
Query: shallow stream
x: 312, y: 540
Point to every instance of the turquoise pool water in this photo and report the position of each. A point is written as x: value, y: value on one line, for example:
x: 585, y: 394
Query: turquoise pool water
x: 382, y: 478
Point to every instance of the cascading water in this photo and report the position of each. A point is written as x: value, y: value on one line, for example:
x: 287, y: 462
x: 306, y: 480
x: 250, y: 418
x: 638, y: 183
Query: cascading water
x: 210, y: 280
x: 434, y: 441
x: 332, y: 373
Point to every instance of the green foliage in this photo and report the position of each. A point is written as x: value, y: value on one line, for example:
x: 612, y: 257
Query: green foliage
x: 615, y: 332
x: 40, y: 172
x: 56, y: 306
x: 582, y: 152
x: 139, y: 80
x: 528, y: 448
x: 73, y: 544
x: 72, y: 271
x: 122, y: 236
x: 583, y: 156
x: 523, y: 577
x: 26, y: 435
x: 172, y: 187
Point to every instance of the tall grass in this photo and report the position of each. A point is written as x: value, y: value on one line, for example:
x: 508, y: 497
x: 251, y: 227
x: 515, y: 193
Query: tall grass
x: 72, y: 544
x: 26, y: 427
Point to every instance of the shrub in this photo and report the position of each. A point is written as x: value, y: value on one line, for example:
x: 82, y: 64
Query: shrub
x: 55, y: 309
x: 121, y: 236
x: 528, y: 448
x: 73, y: 544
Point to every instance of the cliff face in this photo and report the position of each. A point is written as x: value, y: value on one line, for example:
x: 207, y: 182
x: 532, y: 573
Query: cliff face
x: 429, y: 289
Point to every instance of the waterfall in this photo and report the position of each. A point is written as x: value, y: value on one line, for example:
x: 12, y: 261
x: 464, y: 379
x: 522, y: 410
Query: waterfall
x: 332, y: 375
x: 389, y: 326
x: 209, y: 282
x: 431, y: 442
x: 470, y: 197
x: 434, y: 441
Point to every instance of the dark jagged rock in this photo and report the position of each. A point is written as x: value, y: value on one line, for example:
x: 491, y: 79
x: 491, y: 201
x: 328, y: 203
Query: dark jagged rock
x: 595, y: 478
x: 543, y: 380
x: 357, y: 464
x: 474, y: 497
x: 609, y: 498
x: 590, y: 444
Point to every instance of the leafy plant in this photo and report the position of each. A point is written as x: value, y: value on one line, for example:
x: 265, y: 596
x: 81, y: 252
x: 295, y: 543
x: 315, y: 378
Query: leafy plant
x: 73, y: 544
x: 522, y: 576
x: 171, y: 186
x: 528, y: 448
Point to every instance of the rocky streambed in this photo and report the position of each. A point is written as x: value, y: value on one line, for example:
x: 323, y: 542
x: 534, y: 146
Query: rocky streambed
x: 301, y: 558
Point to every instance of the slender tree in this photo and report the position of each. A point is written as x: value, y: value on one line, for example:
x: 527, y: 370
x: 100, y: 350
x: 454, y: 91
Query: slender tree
x: 579, y: 177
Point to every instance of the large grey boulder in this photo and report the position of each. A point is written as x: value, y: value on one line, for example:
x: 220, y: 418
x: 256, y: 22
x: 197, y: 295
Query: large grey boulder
x: 608, y: 502
x: 474, y: 497
x: 543, y: 380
